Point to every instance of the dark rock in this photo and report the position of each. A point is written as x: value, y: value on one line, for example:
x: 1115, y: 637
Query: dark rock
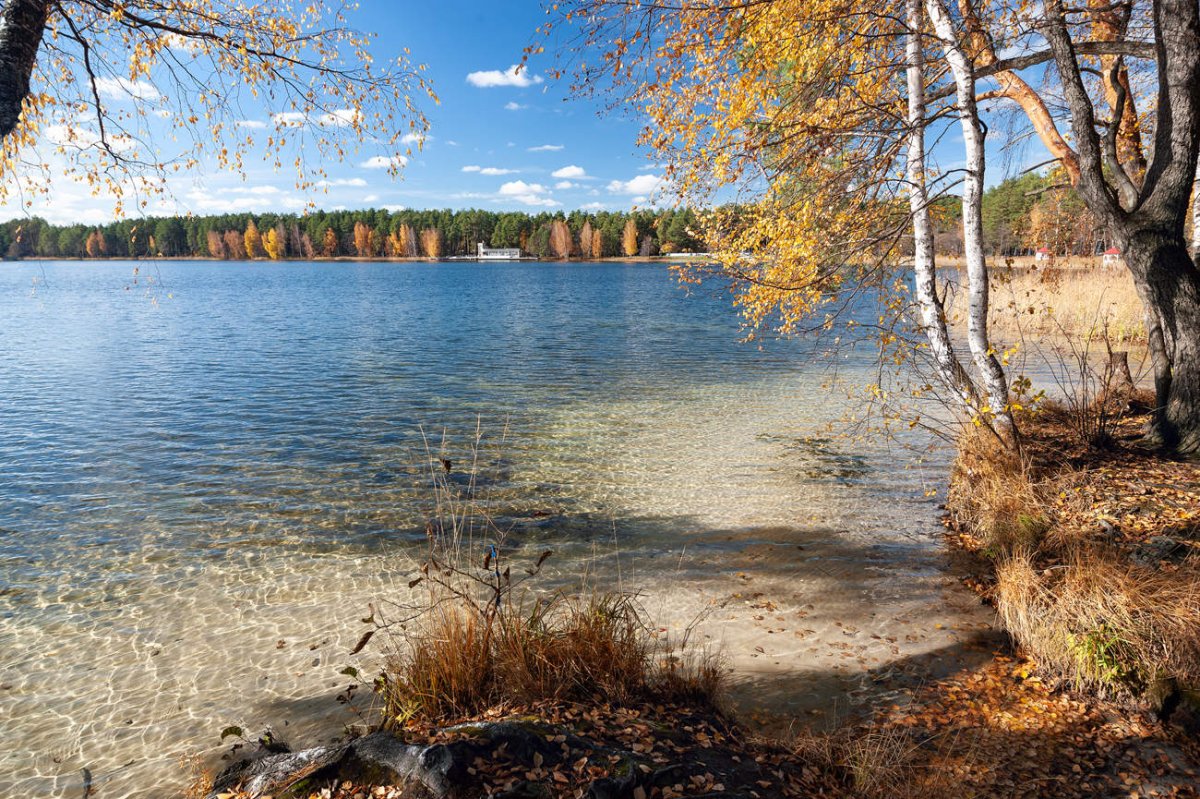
x: 276, y: 773
x: 1159, y: 548
x: 446, y: 771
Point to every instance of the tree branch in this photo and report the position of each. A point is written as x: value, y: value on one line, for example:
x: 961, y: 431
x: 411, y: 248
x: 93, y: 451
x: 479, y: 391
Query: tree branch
x: 1134, y: 49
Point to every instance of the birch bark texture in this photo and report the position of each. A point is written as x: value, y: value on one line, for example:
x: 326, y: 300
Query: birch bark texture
x: 991, y: 373
x: 946, y: 364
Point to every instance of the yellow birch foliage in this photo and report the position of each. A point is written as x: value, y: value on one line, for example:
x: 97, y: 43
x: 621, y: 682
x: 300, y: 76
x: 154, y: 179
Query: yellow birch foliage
x: 585, y: 239
x: 273, y: 244
x: 629, y: 238
x: 216, y: 247
x: 797, y: 106
x: 362, y: 240
x: 235, y: 248
x: 252, y: 241
x: 560, y: 239
x: 329, y: 244
x: 431, y: 242
x: 94, y: 245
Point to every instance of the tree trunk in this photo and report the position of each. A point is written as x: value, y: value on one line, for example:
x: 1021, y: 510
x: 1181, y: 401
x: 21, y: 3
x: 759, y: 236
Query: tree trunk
x: 1169, y: 283
x: 991, y: 373
x: 22, y: 24
x: 1196, y: 218
x: 933, y: 314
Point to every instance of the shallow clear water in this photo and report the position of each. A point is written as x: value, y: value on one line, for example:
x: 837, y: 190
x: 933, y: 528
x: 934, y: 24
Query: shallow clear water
x: 207, y: 470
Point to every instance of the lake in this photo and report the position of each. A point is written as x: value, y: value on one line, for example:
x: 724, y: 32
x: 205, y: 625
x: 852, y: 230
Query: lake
x: 207, y: 470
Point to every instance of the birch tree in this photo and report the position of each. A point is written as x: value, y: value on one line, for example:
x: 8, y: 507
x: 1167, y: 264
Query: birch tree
x: 1134, y: 170
x: 932, y: 309
x: 986, y: 363
x: 808, y: 110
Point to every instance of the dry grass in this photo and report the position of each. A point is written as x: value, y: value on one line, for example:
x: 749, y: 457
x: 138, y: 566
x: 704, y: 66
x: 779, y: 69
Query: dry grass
x: 995, y: 497
x: 1067, y: 525
x: 476, y: 636
x: 883, y: 761
x: 596, y: 648
x: 1103, y: 623
x: 1056, y: 302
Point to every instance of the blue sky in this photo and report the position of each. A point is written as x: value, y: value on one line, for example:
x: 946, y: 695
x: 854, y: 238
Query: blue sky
x: 498, y: 140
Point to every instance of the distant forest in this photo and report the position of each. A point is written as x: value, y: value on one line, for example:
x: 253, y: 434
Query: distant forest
x: 361, y: 234
x: 1019, y: 216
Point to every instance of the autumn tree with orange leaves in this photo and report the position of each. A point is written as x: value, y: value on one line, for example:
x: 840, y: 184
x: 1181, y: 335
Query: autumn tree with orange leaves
x: 815, y: 112
x: 91, y: 79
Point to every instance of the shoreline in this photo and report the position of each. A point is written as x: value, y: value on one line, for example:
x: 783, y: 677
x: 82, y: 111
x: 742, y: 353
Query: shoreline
x: 632, y: 259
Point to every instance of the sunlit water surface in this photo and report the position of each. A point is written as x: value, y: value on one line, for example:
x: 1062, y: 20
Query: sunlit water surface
x: 207, y: 470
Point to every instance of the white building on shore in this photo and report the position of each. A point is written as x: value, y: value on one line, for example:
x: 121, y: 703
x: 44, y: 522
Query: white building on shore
x: 498, y: 254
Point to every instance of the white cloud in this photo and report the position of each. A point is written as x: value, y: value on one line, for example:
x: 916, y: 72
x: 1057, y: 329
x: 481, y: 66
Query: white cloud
x: 512, y: 106
x: 125, y: 89
x: 383, y: 162
x: 395, y: 208
x: 641, y: 185
x: 571, y: 171
x: 527, y: 193
x: 451, y: 143
x: 593, y: 206
x: 257, y: 191
x: 253, y: 124
x: 289, y: 119
x: 513, y: 76
x: 370, y: 198
x: 546, y: 148
x: 83, y: 138
x: 492, y: 171
x: 339, y: 118
x: 220, y: 203
x: 414, y: 138
x: 515, y: 187
x: 564, y: 184
x: 357, y: 182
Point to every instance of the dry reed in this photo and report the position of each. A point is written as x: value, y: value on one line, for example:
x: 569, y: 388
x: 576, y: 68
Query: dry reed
x: 1055, y: 303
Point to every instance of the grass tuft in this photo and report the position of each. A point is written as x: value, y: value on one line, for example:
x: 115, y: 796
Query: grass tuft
x: 458, y: 663
x: 476, y: 636
x: 994, y: 495
x: 1103, y: 623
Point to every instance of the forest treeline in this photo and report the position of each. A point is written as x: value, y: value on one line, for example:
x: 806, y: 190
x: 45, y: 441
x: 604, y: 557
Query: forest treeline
x: 1020, y: 215
x: 1025, y: 213
x: 368, y: 233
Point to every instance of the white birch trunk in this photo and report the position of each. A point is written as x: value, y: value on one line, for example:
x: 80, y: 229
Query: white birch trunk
x: 933, y: 315
x: 991, y: 373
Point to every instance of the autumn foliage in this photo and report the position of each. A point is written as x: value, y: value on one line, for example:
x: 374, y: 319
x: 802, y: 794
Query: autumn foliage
x: 105, y: 72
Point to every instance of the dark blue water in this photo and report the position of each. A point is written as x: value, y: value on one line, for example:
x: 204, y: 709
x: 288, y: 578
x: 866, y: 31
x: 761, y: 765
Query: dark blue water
x: 213, y: 453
